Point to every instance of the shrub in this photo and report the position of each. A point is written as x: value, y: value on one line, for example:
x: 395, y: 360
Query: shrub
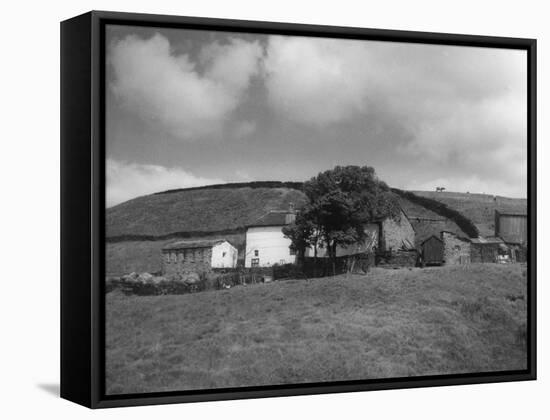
x: 442, y: 209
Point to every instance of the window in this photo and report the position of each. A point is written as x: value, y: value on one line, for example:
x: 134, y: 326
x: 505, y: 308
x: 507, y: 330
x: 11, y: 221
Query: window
x: 255, y: 262
x: 256, y: 253
x: 281, y: 262
x: 223, y: 254
x: 167, y: 257
x: 292, y: 250
x: 174, y: 256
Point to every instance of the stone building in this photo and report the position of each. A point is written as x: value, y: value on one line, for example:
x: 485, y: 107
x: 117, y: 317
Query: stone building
x: 385, y: 235
x: 396, y: 233
x: 198, y: 256
x: 456, y: 249
x: 486, y: 250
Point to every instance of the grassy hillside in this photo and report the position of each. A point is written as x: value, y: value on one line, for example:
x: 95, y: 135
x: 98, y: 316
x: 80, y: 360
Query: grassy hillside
x: 196, y: 210
x: 390, y: 323
x: 480, y: 208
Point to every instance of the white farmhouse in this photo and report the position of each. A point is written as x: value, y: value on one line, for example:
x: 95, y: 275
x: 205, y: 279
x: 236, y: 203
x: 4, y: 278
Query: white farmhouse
x: 266, y: 244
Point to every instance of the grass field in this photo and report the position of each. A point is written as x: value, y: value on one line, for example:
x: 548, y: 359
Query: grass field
x: 390, y: 323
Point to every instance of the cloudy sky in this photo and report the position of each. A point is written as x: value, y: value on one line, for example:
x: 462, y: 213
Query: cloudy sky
x: 188, y: 108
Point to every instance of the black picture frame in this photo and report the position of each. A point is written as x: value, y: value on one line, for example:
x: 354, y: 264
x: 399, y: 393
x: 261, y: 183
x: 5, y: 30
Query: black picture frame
x: 83, y: 207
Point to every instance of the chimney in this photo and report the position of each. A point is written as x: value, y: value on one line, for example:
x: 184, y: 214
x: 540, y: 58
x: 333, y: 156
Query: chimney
x: 290, y: 216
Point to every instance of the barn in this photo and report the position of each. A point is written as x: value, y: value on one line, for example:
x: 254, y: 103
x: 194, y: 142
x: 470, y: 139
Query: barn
x: 396, y: 233
x: 266, y: 245
x: 511, y: 227
x: 198, y: 256
x: 432, y: 250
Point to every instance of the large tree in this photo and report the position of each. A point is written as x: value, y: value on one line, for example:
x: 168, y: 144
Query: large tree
x: 341, y: 201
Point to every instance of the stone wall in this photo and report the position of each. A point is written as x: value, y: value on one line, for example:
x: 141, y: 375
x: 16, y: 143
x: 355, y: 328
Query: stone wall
x: 456, y: 250
x: 484, y: 252
x: 397, y: 258
x: 180, y: 261
x: 397, y: 233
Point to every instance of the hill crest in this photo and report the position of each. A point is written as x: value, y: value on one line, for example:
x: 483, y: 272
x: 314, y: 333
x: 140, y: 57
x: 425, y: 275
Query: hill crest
x: 231, y: 207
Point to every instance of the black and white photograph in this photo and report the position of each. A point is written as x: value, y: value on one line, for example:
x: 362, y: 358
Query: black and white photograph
x: 286, y: 209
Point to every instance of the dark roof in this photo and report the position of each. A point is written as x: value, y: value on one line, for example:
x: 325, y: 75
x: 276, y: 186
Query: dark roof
x: 511, y: 238
x: 207, y: 243
x: 511, y: 214
x: 487, y: 240
x: 431, y: 237
x: 272, y: 218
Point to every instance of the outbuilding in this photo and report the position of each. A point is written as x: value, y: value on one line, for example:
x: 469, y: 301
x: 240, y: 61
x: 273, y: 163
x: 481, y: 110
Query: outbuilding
x: 198, y: 256
x: 456, y: 249
x: 432, y: 251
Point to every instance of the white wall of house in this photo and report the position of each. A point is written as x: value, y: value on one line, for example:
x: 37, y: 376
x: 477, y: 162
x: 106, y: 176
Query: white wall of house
x: 224, y: 255
x: 271, y: 245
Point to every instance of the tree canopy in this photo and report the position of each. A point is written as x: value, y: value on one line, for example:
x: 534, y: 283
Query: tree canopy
x: 341, y: 201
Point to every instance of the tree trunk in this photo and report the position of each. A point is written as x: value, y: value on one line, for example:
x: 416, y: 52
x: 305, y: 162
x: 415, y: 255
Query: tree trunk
x: 333, y: 258
x: 350, y: 266
x: 315, y: 260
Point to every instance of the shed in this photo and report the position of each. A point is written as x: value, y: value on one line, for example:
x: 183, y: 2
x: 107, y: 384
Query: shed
x: 511, y: 227
x: 432, y: 251
x: 486, y: 250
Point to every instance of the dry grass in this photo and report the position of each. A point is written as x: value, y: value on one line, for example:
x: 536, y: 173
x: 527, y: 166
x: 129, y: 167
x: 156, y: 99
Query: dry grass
x: 391, y: 323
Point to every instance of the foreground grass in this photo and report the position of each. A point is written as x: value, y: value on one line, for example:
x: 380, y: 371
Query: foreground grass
x: 390, y: 323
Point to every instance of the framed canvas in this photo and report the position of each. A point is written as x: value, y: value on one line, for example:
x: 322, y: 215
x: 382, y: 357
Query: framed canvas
x: 255, y: 209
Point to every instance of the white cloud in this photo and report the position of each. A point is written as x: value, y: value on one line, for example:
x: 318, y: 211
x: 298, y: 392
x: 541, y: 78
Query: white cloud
x: 170, y: 92
x: 316, y: 81
x: 129, y: 180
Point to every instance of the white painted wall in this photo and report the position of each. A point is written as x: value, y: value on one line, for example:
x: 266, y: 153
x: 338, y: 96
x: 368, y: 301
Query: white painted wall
x: 224, y: 255
x: 271, y: 244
